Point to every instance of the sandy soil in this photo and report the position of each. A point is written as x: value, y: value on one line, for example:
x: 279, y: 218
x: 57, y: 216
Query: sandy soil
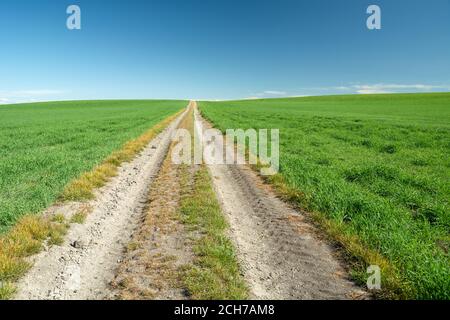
x: 84, y: 265
x: 279, y: 251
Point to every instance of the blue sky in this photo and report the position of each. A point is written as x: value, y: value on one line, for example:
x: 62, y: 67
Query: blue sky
x: 220, y: 49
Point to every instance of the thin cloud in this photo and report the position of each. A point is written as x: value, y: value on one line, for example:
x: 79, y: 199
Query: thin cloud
x: 393, y: 88
x: 377, y: 88
x: 275, y: 93
x: 266, y: 94
x: 371, y: 91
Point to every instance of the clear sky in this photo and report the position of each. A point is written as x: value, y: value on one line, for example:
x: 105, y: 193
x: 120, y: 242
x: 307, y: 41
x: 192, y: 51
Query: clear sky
x: 220, y: 49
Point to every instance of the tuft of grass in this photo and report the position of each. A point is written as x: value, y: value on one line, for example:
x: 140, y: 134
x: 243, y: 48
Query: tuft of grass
x: 83, y: 187
x: 7, y: 291
x: 373, y: 170
x: 25, y: 239
x: 80, y: 216
x: 215, y: 273
x: 133, y: 246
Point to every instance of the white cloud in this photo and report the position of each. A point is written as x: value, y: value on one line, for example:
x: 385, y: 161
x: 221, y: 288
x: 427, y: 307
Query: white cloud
x: 377, y: 88
x: 267, y: 94
x: 392, y: 88
x: 275, y: 93
x: 371, y: 91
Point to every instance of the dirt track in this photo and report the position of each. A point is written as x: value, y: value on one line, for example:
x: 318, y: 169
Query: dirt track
x: 161, y: 245
x: 280, y: 255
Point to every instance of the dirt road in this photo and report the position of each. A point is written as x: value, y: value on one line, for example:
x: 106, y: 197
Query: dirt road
x: 278, y: 250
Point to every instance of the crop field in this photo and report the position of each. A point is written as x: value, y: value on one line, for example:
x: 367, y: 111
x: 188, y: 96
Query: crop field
x: 43, y: 146
x: 376, y: 168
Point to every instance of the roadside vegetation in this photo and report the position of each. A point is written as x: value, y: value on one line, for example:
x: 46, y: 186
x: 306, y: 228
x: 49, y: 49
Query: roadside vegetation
x: 215, y: 273
x: 26, y: 238
x: 373, y: 171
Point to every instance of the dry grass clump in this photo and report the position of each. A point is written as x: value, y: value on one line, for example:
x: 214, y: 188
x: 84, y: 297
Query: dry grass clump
x: 25, y: 239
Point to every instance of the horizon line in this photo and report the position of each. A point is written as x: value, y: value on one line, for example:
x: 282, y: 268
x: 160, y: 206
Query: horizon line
x: 225, y: 100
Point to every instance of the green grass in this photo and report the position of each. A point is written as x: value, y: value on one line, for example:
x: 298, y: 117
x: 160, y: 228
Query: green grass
x: 376, y: 167
x: 6, y: 291
x: 79, y: 217
x: 43, y: 146
x: 215, y: 273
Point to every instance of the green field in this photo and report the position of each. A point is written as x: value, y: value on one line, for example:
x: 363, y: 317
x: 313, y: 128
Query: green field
x: 376, y: 166
x: 43, y: 146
